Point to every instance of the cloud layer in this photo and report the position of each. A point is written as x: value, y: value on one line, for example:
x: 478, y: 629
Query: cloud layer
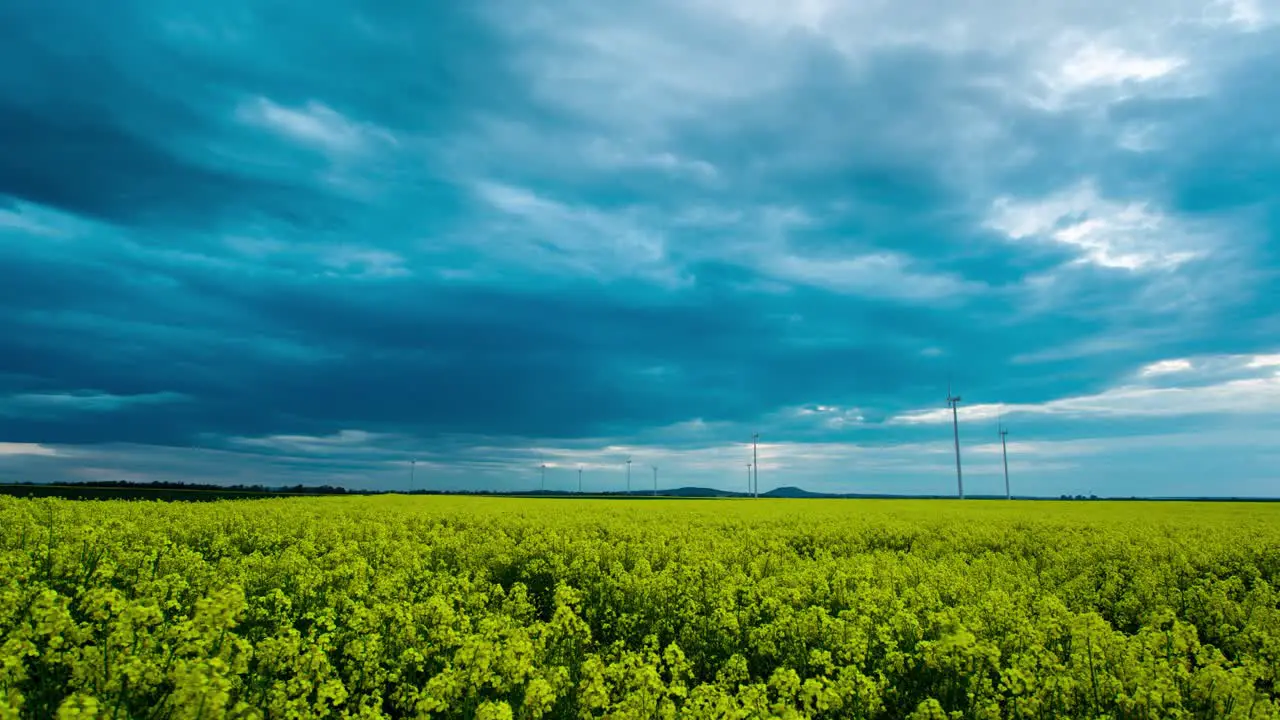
x: 259, y: 242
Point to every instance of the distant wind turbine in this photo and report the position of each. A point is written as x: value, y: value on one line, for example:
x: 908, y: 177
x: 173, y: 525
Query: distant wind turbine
x: 628, y: 476
x: 1004, y: 450
x: 954, y: 401
x: 544, y: 477
x: 755, y: 465
x: 579, y: 479
x: 655, y: 481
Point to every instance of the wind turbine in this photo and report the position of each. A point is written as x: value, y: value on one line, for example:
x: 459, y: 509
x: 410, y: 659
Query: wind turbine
x: 1004, y: 450
x: 755, y: 465
x: 579, y: 479
x: 953, y: 401
x: 544, y: 477
x: 655, y: 481
x: 628, y: 476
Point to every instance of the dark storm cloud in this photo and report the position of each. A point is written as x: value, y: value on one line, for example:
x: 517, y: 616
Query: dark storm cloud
x: 339, y: 236
x: 94, y: 126
x: 411, y: 354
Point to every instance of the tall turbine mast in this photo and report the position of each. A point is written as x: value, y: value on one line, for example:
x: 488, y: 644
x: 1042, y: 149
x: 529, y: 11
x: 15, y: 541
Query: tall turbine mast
x: 628, y: 476
x: 1004, y: 450
x: 655, y: 481
x: 953, y: 401
x: 544, y: 477
x: 755, y: 465
x: 579, y: 479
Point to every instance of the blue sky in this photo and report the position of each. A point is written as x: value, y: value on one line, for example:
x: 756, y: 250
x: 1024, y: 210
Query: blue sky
x: 279, y: 242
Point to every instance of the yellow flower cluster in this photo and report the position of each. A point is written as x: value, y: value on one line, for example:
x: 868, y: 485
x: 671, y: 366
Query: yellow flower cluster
x: 468, y: 607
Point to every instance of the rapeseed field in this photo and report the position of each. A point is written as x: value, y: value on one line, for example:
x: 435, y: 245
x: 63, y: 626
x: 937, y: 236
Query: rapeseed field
x: 469, y: 607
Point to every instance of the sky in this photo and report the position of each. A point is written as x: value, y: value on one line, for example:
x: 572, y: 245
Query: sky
x: 325, y: 243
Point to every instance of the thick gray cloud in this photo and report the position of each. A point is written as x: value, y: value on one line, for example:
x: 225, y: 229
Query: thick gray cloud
x: 316, y: 242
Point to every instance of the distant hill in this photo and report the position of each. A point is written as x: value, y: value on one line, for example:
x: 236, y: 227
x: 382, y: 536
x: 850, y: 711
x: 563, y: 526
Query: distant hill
x: 698, y: 492
x: 793, y: 492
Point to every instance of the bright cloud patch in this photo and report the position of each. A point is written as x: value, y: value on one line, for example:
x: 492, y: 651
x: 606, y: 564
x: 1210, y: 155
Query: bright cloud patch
x: 1247, y: 14
x: 1109, y: 234
x: 343, y: 440
x: 1098, y: 65
x: 1252, y: 393
x: 7, y: 448
x: 1165, y: 367
x: 314, y: 124
x: 831, y: 416
x: 1264, y: 361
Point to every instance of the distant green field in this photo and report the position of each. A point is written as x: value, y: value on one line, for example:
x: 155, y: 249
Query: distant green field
x: 461, y: 607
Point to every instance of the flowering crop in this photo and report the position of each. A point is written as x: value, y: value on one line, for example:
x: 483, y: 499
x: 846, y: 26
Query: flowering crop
x: 453, y: 607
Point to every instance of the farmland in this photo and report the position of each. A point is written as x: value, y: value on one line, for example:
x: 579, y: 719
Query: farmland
x: 451, y: 607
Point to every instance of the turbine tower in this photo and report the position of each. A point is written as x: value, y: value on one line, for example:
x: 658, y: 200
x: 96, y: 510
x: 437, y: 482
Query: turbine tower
x: 579, y: 479
x: 755, y: 465
x: 655, y: 481
x: 628, y: 476
x: 544, y: 477
x: 1004, y: 450
x: 953, y: 401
